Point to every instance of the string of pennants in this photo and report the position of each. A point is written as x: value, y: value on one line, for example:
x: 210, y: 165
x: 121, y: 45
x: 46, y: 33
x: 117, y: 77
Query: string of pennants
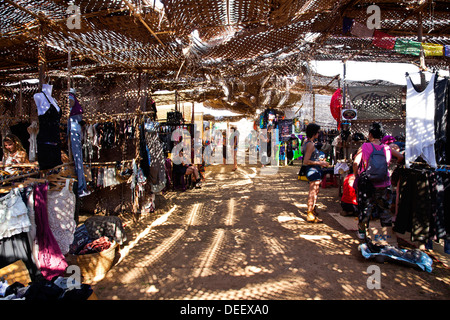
x: 389, y: 42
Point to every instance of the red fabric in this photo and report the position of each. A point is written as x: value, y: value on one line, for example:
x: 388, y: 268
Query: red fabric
x: 336, y: 106
x: 348, y: 192
x: 97, y: 245
x: 51, y: 260
x: 383, y: 40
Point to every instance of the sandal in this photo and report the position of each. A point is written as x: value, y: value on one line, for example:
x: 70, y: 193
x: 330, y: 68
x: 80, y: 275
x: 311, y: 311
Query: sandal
x: 312, y: 218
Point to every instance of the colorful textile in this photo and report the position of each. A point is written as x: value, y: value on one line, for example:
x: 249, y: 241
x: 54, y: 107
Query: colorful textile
x: 76, y: 109
x: 348, y: 190
x: 407, y: 47
x: 447, y: 50
x: 347, y: 25
x: 383, y: 40
x: 434, y: 50
x: 96, y: 246
x: 360, y: 30
x: 51, y: 261
x: 336, y: 106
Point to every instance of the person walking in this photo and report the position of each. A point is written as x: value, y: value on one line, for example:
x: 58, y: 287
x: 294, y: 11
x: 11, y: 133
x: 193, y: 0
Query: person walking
x: 234, y: 143
x: 313, y: 170
x: 373, y: 195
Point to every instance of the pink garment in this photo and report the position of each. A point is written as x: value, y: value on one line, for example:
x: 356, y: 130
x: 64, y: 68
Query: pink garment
x: 367, y: 150
x: 51, y: 261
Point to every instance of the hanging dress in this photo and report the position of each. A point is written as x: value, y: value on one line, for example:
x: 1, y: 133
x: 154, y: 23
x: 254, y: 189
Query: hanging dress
x: 420, y: 132
x: 33, y: 130
x: 48, y: 138
x: 61, y: 216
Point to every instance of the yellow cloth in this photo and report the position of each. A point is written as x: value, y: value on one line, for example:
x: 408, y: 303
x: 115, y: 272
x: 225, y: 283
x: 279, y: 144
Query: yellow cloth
x: 431, y: 49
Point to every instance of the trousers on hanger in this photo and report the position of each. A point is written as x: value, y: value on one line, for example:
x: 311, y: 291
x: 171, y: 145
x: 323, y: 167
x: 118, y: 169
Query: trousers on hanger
x: 77, y: 152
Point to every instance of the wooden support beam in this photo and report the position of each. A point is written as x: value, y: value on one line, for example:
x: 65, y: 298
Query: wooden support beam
x: 141, y: 19
x: 42, y: 63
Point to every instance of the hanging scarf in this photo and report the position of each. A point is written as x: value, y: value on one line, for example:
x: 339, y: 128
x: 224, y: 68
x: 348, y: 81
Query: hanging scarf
x: 51, y: 261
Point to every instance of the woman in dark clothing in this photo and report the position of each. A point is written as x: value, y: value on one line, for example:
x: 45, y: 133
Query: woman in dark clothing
x: 183, y: 169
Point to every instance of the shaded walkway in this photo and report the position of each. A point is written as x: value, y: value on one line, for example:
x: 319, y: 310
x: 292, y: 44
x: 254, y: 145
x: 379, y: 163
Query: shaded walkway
x: 243, y: 236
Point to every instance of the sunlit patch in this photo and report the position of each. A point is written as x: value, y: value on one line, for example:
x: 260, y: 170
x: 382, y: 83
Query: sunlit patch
x: 315, y: 237
x: 282, y: 219
x: 238, y: 183
x: 125, y: 251
x: 230, y: 216
x: 260, y: 208
x: 195, y: 210
x: 207, y: 259
x: 300, y: 205
x: 288, y: 287
x: 152, y: 289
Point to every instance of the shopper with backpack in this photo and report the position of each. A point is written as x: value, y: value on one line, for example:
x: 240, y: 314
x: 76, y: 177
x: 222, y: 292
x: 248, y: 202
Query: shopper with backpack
x: 373, y: 179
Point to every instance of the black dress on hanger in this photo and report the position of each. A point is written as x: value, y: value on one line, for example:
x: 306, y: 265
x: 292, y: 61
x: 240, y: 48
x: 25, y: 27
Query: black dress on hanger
x: 48, y: 139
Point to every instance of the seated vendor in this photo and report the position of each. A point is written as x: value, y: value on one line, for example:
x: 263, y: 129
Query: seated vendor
x: 13, y: 153
x: 183, y: 169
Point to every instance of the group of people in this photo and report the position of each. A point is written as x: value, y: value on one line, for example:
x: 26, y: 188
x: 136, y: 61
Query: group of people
x: 360, y: 197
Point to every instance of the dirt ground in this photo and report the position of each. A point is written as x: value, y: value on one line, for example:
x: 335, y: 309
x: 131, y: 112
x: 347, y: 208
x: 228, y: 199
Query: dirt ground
x: 243, y: 235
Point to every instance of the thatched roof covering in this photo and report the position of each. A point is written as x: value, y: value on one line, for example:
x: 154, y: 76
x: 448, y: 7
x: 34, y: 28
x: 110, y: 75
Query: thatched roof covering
x: 241, y: 54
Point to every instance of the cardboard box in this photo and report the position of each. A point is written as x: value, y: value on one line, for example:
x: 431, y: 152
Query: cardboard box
x: 383, y: 236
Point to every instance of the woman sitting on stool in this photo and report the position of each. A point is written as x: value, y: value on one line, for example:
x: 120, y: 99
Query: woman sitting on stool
x: 182, y: 169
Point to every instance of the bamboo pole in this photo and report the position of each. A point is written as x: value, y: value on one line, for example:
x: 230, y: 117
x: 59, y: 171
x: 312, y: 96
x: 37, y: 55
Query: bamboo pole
x: 422, y: 53
x: 41, y: 55
x: 139, y: 17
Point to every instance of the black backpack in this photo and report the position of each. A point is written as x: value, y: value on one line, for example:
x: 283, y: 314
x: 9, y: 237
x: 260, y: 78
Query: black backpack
x: 377, y: 168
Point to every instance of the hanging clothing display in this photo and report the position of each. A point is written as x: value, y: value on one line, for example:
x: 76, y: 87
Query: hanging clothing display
x: 74, y: 132
x: 420, y: 134
x: 442, y: 94
x: 15, y: 224
x: 13, y: 214
x: 61, y: 212
x: 109, y: 177
x: 33, y: 130
x: 28, y: 198
x: 48, y: 138
x: 17, y: 247
x: 154, y: 152
x: 51, y: 260
x: 421, y: 204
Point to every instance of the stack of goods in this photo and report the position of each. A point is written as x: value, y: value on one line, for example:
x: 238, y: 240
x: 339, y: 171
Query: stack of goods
x: 94, y: 246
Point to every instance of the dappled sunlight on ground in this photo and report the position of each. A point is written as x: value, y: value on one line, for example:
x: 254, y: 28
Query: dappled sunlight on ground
x: 244, y: 236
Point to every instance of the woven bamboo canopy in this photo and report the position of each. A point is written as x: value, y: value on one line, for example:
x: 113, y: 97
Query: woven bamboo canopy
x: 234, y: 54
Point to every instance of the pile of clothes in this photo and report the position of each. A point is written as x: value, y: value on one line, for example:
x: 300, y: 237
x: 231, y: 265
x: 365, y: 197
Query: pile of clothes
x: 97, y: 234
x: 97, y: 245
x: 58, y: 288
